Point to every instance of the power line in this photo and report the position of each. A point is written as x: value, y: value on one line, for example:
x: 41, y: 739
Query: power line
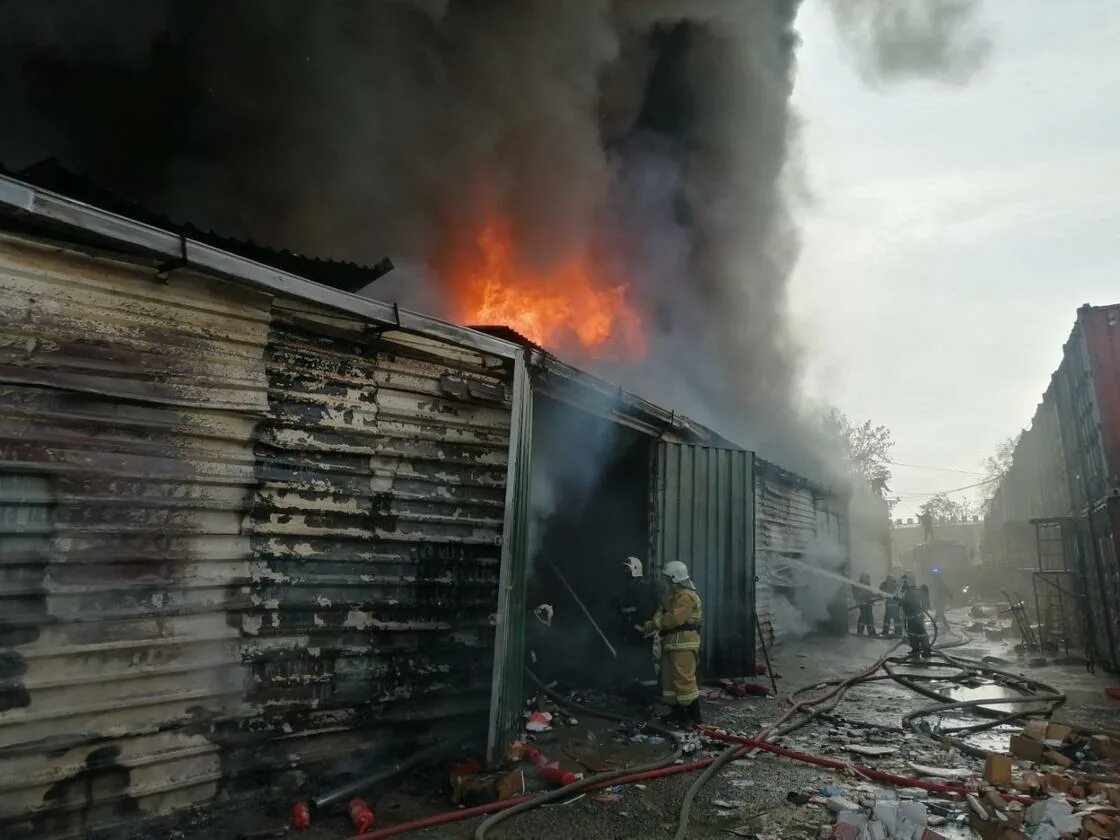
x: 935, y: 469
x: 945, y: 492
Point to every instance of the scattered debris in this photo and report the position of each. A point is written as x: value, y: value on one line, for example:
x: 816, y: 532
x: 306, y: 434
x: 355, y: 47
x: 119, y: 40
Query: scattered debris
x: 941, y: 772
x: 539, y: 722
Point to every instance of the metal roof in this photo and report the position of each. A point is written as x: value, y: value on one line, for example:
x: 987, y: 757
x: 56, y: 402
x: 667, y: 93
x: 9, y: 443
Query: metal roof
x: 348, y: 276
x: 34, y: 209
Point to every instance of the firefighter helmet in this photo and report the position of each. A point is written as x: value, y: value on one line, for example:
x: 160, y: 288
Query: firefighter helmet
x: 634, y: 565
x: 676, y: 571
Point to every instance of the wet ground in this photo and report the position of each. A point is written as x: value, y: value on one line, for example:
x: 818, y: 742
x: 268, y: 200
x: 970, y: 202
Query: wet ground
x: 748, y: 799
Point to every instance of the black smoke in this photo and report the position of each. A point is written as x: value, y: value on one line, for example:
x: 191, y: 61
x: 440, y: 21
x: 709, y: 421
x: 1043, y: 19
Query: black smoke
x: 357, y: 130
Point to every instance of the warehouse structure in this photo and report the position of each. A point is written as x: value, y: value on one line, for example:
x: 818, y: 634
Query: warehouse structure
x: 253, y: 526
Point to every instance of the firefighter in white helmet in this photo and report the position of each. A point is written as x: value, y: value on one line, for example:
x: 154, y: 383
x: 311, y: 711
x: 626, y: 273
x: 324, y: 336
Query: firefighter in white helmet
x: 636, y: 664
x: 678, y: 621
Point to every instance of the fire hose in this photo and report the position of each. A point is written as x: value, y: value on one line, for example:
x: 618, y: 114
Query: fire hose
x: 507, y: 809
x: 598, y: 780
x: 742, y: 744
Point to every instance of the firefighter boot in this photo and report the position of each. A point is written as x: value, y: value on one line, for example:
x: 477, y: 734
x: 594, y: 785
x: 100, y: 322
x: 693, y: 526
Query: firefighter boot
x: 693, y: 714
x: 676, y: 716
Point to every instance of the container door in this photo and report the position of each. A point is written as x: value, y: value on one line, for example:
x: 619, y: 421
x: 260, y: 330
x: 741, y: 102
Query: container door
x: 703, y: 515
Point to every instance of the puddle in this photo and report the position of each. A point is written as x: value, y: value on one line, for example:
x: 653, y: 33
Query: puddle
x: 994, y: 692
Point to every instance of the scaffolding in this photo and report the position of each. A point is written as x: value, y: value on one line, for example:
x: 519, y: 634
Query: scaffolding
x: 1058, y: 590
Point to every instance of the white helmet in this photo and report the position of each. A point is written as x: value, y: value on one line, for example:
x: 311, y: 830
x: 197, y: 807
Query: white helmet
x: 676, y: 571
x: 634, y: 565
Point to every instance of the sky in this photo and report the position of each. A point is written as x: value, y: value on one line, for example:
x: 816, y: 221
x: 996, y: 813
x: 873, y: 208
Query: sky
x: 950, y: 232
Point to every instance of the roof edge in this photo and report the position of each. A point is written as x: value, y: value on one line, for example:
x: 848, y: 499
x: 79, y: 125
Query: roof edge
x: 186, y: 252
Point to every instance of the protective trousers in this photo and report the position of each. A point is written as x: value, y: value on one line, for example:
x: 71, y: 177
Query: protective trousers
x: 678, y: 677
x: 866, y: 619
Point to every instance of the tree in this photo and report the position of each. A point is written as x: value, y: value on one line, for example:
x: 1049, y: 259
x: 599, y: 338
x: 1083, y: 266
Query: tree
x: 998, y: 465
x: 941, y: 507
x: 865, y: 447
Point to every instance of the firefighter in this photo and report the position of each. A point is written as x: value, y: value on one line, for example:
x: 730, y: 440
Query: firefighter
x: 636, y: 660
x: 864, y: 597
x: 910, y: 599
x: 678, y: 621
x: 941, y: 596
x: 892, y: 624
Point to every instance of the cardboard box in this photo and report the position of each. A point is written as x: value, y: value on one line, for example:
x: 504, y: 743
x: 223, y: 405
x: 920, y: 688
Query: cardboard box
x: 1059, y: 732
x: 997, y: 770
x: 1058, y: 782
x: 1030, y: 781
x: 1105, y: 746
x: 1036, y: 730
x: 1026, y: 748
x: 1098, y: 825
x: 1055, y: 757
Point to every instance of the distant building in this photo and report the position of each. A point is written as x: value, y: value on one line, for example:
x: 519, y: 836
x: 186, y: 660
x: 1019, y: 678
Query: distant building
x: 907, y: 534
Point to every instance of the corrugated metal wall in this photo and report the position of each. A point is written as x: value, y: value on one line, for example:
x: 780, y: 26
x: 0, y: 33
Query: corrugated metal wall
x: 237, y: 537
x: 786, y: 522
x: 704, y: 517
x: 1064, y: 466
x: 127, y: 409
x: 376, y: 530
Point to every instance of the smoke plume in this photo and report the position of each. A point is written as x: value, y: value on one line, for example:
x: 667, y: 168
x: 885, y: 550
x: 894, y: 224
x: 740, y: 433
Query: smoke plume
x: 656, y: 132
x: 906, y: 39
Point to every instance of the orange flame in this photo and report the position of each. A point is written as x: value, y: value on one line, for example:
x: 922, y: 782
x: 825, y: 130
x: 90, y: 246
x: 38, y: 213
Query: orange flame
x: 570, y: 306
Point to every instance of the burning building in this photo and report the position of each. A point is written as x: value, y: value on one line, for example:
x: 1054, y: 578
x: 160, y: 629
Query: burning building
x: 258, y: 530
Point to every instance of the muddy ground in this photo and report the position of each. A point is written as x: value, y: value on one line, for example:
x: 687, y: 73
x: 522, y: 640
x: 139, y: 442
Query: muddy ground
x: 748, y: 799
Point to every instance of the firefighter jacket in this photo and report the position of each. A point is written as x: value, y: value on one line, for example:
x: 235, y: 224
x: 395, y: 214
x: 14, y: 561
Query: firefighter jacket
x: 678, y: 620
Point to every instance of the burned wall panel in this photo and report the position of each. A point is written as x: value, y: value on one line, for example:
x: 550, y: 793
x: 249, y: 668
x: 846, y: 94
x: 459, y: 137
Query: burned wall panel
x: 127, y: 404
x: 376, y: 536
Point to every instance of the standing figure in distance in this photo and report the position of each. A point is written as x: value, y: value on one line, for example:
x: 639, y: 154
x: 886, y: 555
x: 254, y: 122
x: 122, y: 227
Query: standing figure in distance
x: 864, y: 597
x: 892, y: 624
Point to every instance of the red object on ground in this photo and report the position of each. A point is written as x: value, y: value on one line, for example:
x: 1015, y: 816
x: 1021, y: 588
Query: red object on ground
x: 556, y: 776
x: 1113, y: 692
x: 360, y: 814
x: 760, y: 669
x: 672, y: 770
x: 301, y: 816
x: 534, y: 756
x: 870, y: 772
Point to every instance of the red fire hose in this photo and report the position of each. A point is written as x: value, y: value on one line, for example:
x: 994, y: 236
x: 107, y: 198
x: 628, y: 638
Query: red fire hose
x: 492, y: 807
x: 871, y: 773
x: 748, y: 744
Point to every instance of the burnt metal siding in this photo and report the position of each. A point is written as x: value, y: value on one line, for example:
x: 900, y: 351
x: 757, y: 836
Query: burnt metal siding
x: 240, y: 538
x: 704, y: 518
x: 507, y: 689
x: 127, y: 408
x: 786, y: 521
x: 376, y: 531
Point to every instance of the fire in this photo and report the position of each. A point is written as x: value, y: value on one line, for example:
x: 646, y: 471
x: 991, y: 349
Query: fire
x: 572, y: 305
